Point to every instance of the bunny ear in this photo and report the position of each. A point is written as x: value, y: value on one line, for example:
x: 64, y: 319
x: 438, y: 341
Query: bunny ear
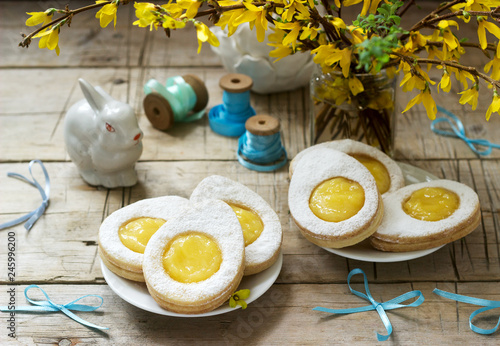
x: 93, y: 97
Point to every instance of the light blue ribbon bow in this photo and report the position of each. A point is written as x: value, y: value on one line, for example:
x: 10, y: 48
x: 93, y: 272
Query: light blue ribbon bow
x: 380, y: 307
x: 488, y: 305
x: 261, y: 153
x: 33, y: 216
x: 458, y: 131
x: 49, y: 306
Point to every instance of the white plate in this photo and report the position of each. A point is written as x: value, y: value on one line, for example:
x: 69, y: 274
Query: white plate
x: 364, y: 252
x: 137, y: 294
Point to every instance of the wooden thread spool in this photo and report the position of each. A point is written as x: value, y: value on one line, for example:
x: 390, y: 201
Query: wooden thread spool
x: 228, y: 118
x: 260, y: 148
x: 182, y: 100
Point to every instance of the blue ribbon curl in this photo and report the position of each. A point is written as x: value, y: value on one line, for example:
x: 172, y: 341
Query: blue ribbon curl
x: 261, y: 153
x: 458, y: 131
x: 487, y: 305
x: 33, y: 216
x: 379, y: 307
x: 49, y: 306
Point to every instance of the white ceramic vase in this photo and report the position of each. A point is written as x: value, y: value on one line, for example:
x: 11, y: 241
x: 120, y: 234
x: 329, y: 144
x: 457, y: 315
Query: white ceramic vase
x: 242, y: 53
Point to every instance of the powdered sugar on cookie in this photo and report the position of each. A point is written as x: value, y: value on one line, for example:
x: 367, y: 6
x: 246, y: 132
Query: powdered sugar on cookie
x: 166, y: 208
x: 218, y: 221
x: 398, y: 226
x: 318, y: 166
x: 351, y: 147
x: 260, y: 254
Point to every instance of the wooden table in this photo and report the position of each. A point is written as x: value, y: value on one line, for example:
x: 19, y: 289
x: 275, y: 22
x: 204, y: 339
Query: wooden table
x: 60, y: 253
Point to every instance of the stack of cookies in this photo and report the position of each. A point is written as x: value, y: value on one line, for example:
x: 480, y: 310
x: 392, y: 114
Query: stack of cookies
x: 343, y: 192
x: 192, y: 254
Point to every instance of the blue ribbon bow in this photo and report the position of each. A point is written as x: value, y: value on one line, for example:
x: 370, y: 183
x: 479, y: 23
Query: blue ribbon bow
x: 459, y: 132
x: 380, y: 307
x: 49, y: 306
x: 33, y: 216
x: 488, y: 305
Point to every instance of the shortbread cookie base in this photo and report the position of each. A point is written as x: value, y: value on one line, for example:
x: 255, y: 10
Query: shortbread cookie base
x: 127, y: 274
x: 345, y: 240
x: 400, y: 232
x: 201, y: 306
x: 264, y: 251
x: 415, y: 244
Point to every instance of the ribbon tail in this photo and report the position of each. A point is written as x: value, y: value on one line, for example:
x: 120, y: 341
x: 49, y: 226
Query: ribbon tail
x: 193, y: 117
x: 36, y: 214
x: 81, y: 320
x: 466, y: 299
x: 387, y: 324
x: 481, y: 330
x: 17, y: 221
x: 345, y: 311
x: 29, y: 309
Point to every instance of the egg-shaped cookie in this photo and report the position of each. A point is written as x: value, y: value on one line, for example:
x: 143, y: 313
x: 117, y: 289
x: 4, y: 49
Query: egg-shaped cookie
x: 260, y: 223
x: 387, y: 173
x: 124, y: 234
x: 195, y: 262
x: 334, y: 199
x: 426, y: 215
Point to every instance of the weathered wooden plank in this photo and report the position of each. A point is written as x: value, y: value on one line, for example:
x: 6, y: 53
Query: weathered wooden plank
x: 283, y: 315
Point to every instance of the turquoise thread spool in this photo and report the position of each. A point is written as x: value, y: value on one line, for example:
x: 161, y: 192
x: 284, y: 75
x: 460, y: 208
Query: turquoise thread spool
x: 228, y: 118
x: 260, y: 148
x: 182, y: 99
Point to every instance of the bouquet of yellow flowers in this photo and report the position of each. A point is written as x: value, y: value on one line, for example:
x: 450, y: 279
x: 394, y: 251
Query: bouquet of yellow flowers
x: 347, y: 52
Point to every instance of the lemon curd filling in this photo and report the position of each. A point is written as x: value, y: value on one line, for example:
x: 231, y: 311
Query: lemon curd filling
x: 136, y: 233
x: 378, y: 170
x: 431, y: 204
x: 250, y: 222
x: 192, y: 257
x: 337, y: 199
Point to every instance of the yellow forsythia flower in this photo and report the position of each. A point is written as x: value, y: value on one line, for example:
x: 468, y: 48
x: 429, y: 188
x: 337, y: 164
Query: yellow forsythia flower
x: 445, y: 83
x: 38, y: 18
x: 107, y: 14
x: 238, y: 298
x: 280, y: 51
x: 49, y: 39
x: 424, y: 97
x: 495, y: 64
x: 291, y: 37
x: 204, y: 34
x: 483, y: 24
x: 254, y: 16
x: 291, y: 7
x: 494, y: 107
x: 144, y: 11
x: 191, y: 7
x: 470, y: 96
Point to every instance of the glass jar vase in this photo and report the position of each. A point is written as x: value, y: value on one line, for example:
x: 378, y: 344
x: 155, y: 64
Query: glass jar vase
x: 360, y: 108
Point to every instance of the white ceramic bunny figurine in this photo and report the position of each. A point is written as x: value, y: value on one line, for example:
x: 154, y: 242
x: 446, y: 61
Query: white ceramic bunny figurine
x: 103, y: 138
